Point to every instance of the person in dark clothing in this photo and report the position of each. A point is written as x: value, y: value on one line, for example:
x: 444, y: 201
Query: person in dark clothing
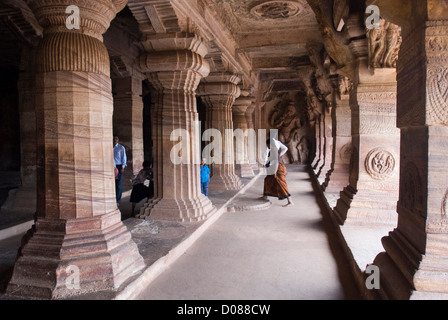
x: 143, y: 186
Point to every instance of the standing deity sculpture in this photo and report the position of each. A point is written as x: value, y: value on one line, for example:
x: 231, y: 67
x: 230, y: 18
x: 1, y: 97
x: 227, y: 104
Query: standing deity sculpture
x: 285, y: 119
x: 383, y: 45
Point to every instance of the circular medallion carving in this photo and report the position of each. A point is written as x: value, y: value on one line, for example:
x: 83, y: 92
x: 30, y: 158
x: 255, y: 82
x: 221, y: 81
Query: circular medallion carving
x: 277, y: 9
x: 345, y: 153
x: 445, y: 204
x: 380, y: 164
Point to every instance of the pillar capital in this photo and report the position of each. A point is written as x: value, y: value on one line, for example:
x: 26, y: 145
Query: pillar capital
x: 175, y: 61
x: 64, y: 49
x: 241, y: 105
x: 95, y: 16
x: 220, y: 84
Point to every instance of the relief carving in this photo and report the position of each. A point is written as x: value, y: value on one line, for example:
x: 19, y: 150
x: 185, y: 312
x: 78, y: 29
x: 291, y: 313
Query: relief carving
x: 345, y: 153
x: 284, y: 118
x: 444, y: 208
x: 380, y: 164
x: 345, y: 86
x: 277, y: 9
x: 383, y: 45
x: 437, y: 109
x: 304, y: 150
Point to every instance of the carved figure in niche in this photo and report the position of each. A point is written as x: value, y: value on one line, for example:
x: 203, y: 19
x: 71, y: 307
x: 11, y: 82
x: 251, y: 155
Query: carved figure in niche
x: 295, y: 147
x: 345, y: 153
x: 345, y: 86
x: 383, y: 45
x: 304, y: 150
x: 288, y: 124
x: 313, y: 108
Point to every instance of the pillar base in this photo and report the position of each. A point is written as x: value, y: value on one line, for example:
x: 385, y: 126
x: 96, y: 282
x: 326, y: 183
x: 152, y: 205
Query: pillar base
x: 397, y: 266
x: 64, y: 258
x: 364, y: 208
x: 246, y: 170
x: 336, y: 179
x: 182, y: 210
x: 225, y: 182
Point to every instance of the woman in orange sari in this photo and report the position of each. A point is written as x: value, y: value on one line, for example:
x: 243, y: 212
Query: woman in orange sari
x: 275, y: 182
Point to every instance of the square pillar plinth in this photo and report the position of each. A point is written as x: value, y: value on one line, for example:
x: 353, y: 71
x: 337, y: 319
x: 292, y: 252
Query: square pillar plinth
x: 372, y: 193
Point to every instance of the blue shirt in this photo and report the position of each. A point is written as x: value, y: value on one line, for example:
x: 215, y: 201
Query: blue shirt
x: 205, y: 173
x: 120, y: 155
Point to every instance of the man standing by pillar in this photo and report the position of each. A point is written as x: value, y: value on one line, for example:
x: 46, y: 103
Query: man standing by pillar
x: 120, y: 160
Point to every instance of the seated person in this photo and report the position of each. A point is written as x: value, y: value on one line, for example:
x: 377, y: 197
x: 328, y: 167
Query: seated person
x: 143, y: 186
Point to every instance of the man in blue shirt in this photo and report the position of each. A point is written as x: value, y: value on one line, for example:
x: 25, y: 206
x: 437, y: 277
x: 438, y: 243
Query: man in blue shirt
x: 120, y: 163
x: 205, y: 177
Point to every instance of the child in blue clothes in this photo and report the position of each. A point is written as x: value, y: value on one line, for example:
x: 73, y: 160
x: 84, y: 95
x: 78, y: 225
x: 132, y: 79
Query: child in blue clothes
x: 205, y: 177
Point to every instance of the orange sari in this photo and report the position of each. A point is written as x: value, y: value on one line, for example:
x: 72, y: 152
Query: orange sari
x: 275, y: 185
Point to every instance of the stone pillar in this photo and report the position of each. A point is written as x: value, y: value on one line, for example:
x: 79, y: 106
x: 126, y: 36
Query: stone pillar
x: 372, y: 193
x: 252, y: 150
x: 320, y: 143
x: 218, y: 92
x: 175, y: 64
x: 128, y: 122
x: 78, y: 234
x: 327, y: 145
x: 25, y: 197
x: 338, y: 176
x: 415, y: 263
x: 242, y: 138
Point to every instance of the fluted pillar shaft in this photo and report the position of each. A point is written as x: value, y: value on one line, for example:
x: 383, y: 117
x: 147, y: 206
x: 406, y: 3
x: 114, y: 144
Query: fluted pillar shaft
x: 252, y: 148
x: 175, y: 69
x: 78, y: 224
x: 218, y: 93
x: 243, y: 136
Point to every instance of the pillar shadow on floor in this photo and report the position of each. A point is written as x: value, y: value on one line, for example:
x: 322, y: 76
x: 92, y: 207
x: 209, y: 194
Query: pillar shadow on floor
x: 346, y: 277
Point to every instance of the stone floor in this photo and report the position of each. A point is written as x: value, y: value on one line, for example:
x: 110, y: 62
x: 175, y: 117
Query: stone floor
x: 249, y: 249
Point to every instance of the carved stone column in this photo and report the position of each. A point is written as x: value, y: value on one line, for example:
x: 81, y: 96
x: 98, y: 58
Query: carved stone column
x: 372, y: 193
x: 128, y: 120
x: 318, y: 127
x: 175, y: 64
x: 25, y: 198
x: 415, y: 263
x: 78, y: 234
x: 252, y: 150
x: 218, y: 92
x: 338, y: 176
x: 327, y: 145
x: 242, y: 138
